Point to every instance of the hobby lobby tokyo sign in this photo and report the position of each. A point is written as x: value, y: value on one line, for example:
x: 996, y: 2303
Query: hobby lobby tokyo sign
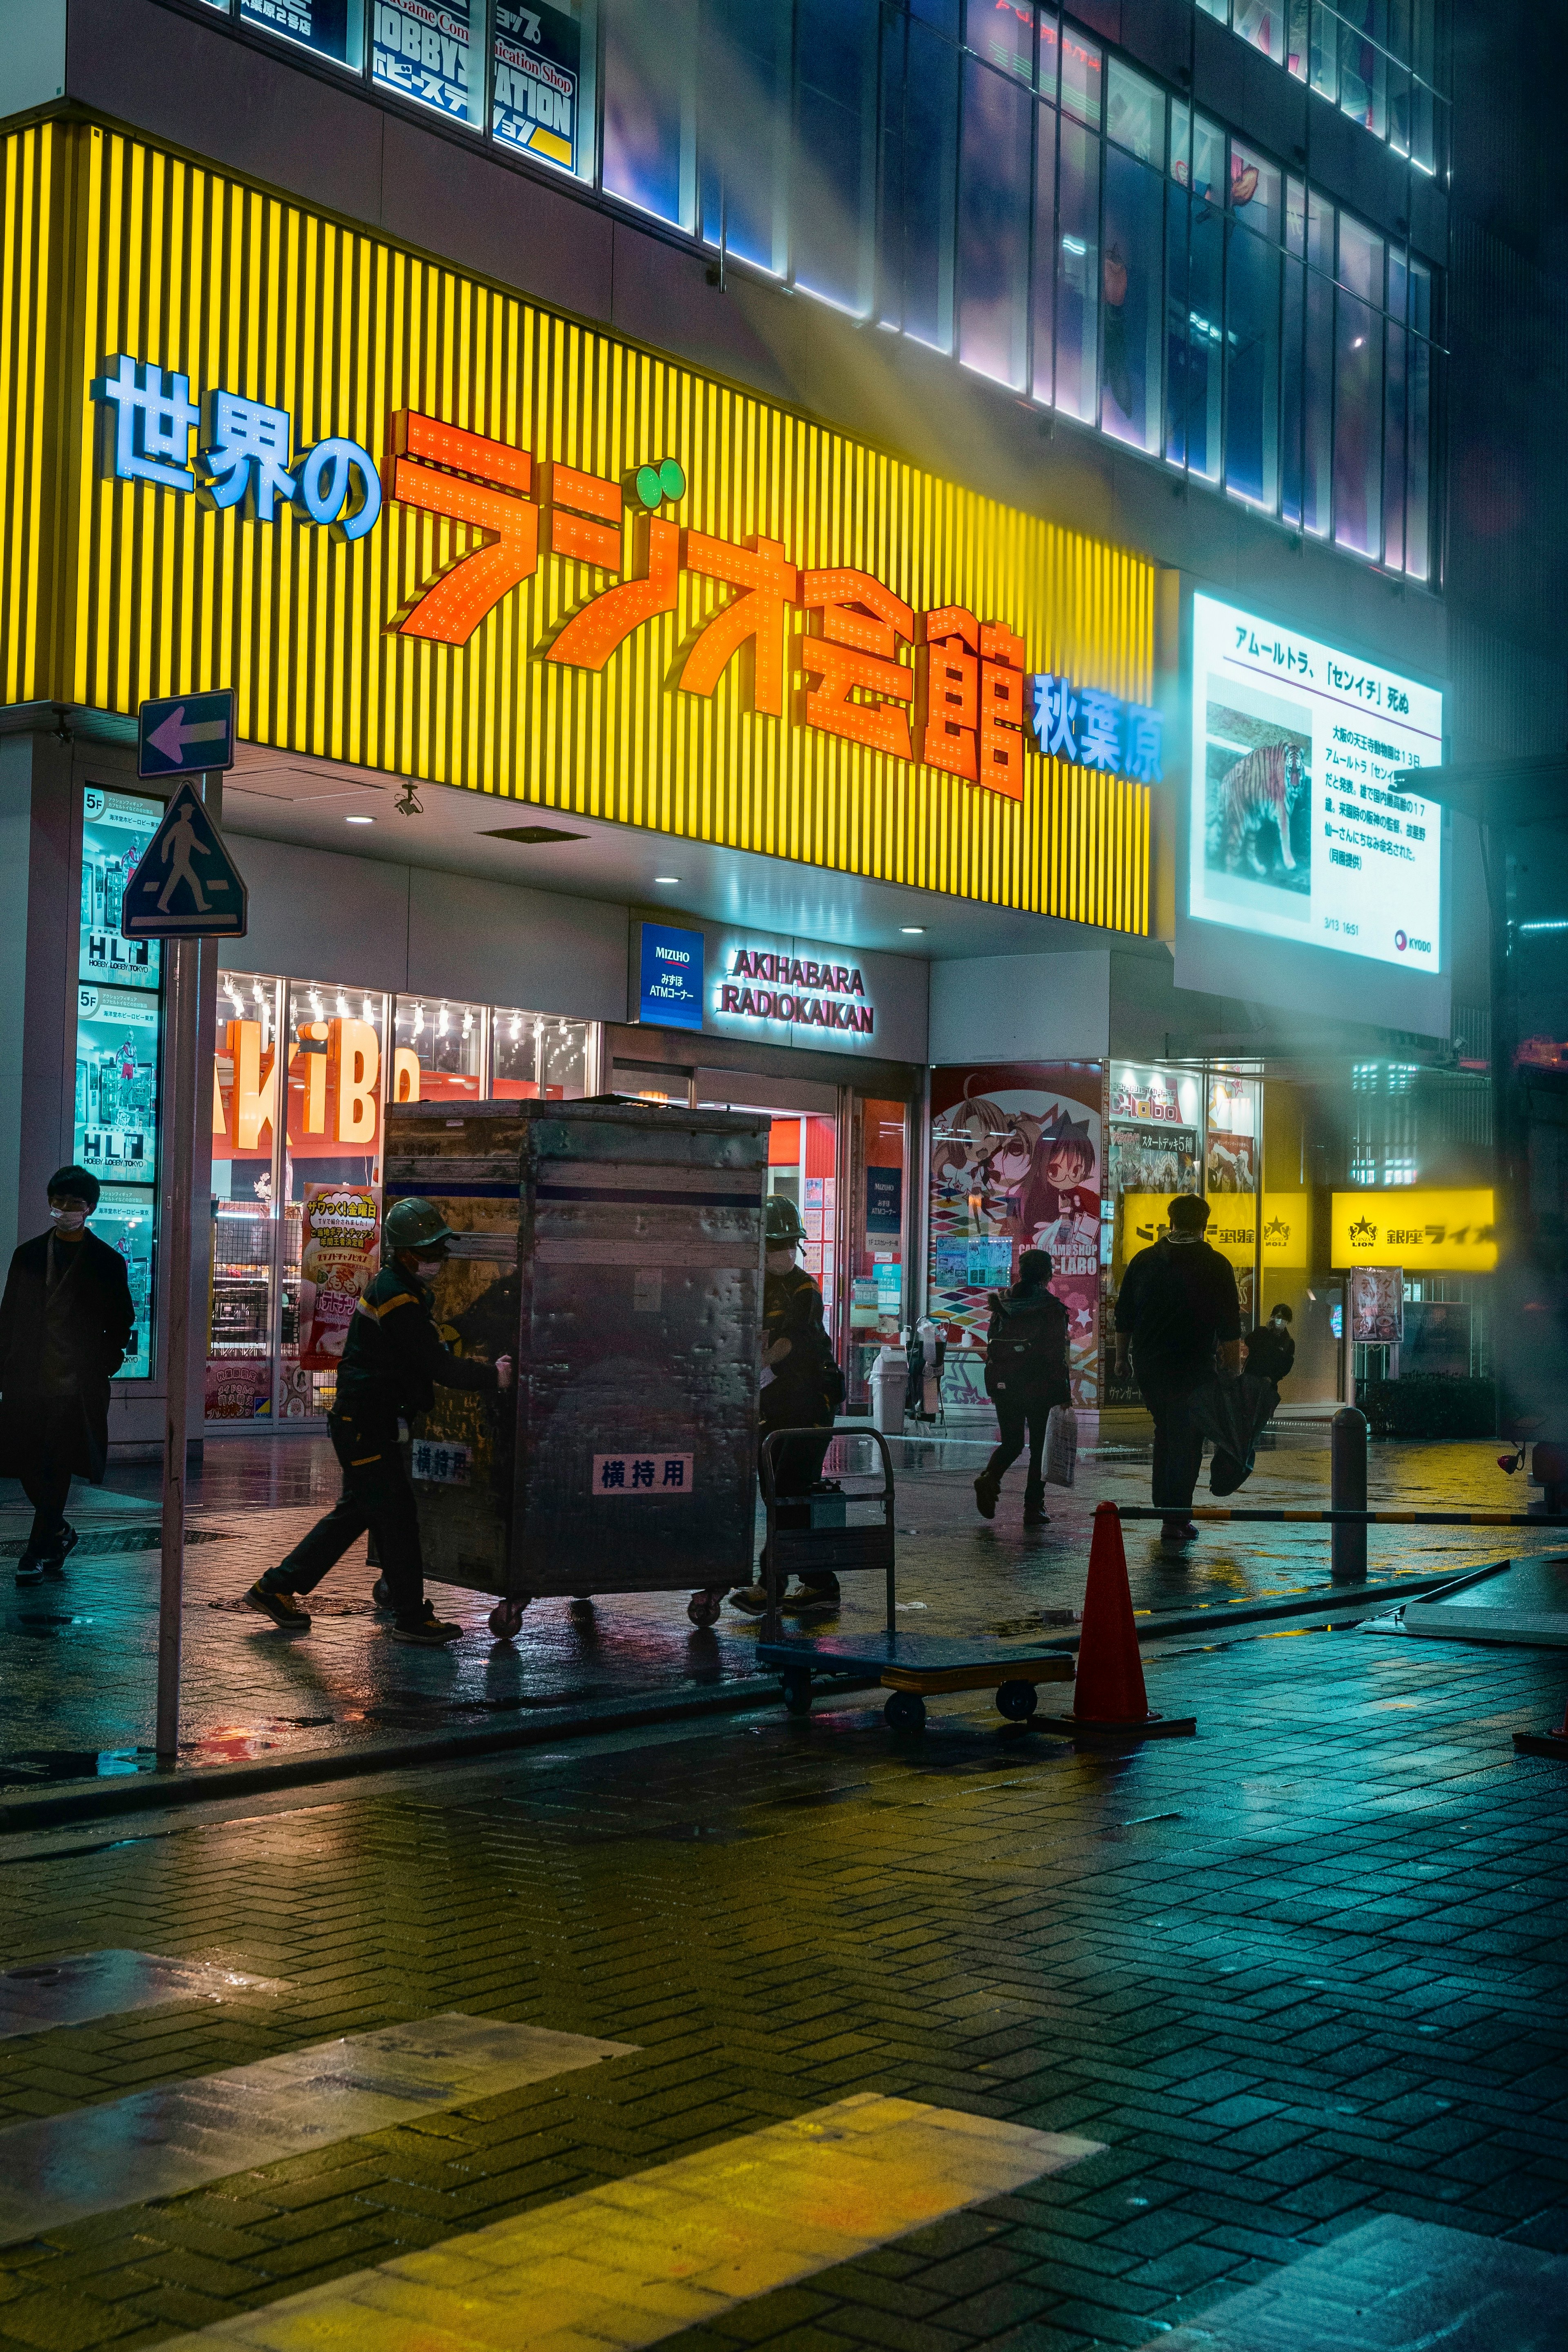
x: 832, y: 648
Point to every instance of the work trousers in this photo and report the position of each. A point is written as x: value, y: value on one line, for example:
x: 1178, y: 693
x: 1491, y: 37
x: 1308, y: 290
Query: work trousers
x: 376, y: 1495
x: 1017, y: 1411
x: 46, y: 1475
x: 1178, y: 1440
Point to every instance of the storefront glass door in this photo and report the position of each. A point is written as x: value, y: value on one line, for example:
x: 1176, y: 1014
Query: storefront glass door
x: 877, y: 1237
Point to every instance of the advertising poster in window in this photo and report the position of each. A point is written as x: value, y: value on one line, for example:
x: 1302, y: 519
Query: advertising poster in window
x: 118, y: 1037
x: 538, y: 79
x: 420, y: 48
x: 339, y: 1246
x: 330, y: 28
x: 1017, y: 1164
x: 1303, y: 825
x: 1377, y: 1305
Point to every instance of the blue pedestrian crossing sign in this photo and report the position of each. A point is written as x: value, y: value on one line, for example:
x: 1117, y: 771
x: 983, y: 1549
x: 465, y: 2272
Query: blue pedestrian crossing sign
x: 187, y: 887
x: 184, y: 735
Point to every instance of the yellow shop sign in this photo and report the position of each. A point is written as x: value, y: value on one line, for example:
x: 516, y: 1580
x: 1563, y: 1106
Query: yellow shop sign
x: 1232, y: 1226
x: 1424, y: 1233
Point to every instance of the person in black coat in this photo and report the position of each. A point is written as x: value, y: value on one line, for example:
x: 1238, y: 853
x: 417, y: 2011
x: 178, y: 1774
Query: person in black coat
x: 65, y: 1321
x: 1027, y: 1371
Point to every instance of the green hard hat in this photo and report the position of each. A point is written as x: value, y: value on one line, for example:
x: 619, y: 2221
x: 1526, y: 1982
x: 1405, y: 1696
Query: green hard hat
x: 782, y: 1223
x: 415, y: 1224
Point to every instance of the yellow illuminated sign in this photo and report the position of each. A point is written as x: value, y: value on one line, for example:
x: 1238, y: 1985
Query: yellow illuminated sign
x: 598, y: 582
x: 1424, y: 1231
x: 1232, y: 1226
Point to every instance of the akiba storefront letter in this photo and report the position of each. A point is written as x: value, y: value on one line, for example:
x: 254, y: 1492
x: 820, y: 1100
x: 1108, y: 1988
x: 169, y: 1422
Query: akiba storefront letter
x: 671, y: 980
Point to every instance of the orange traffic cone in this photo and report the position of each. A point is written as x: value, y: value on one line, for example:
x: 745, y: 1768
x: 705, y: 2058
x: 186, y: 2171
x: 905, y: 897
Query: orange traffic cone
x: 1110, y: 1697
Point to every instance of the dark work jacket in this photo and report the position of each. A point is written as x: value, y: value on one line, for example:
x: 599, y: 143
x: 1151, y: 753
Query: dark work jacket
x: 394, y: 1354
x: 807, y: 1385
x: 1177, y: 1303
x: 1271, y: 1353
x: 96, y: 1332
x: 1027, y: 1348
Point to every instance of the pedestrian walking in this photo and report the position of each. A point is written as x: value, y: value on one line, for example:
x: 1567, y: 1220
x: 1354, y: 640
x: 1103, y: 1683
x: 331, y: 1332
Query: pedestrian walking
x: 1178, y: 1314
x: 802, y: 1388
x: 1026, y: 1373
x: 65, y: 1321
x: 1270, y: 1346
x: 393, y: 1359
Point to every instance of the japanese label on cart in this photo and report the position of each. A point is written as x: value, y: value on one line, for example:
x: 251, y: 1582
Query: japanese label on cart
x: 441, y: 1464
x: 642, y: 1474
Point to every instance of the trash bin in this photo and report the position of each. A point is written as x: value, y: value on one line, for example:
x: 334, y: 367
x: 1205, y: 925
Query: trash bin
x: 615, y: 1249
x: 890, y: 1378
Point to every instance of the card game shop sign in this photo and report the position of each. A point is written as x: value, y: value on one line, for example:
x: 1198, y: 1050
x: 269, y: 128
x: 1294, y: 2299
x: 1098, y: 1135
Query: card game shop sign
x: 1015, y: 1164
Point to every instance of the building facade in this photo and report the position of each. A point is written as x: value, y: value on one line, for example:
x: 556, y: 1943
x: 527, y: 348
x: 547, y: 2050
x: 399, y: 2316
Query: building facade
x: 887, y: 563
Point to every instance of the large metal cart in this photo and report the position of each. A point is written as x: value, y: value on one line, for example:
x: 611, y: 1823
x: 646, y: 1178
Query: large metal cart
x: 845, y: 1525
x: 615, y: 1249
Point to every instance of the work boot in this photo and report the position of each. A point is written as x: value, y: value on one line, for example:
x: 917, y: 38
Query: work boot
x: 751, y: 1599
x: 1179, y: 1531
x: 283, y: 1608
x: 1035, y: 1512
x: 812, y: 1601
x: 29, y: 1568
x: 426, y: 1631
x: 986, y: 1490
x: 57, y: 1553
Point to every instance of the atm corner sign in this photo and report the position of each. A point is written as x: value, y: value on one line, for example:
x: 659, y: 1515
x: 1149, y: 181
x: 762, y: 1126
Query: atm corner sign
x: 1424, y: 1233
x: 669, y: 987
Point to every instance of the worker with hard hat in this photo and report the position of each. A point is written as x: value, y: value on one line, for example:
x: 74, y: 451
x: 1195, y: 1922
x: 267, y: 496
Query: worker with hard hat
x: 393, y: 1358
x: 802, y: 1388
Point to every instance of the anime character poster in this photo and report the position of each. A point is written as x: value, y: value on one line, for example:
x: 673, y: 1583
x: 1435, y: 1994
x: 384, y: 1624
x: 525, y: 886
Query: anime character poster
x: 1017, y: 1164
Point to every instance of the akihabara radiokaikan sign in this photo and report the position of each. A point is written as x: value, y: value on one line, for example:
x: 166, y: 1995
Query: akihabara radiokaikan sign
x: 830, y: 648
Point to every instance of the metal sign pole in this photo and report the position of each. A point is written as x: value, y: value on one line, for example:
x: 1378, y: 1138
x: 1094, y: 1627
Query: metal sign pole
x: 179, y: 1104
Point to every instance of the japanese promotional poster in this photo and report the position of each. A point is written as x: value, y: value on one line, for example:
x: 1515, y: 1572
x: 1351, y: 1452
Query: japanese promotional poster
x: 1017, y: 1164
x: 340, y: 1240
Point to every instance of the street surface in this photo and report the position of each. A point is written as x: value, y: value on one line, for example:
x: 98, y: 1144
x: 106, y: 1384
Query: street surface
x: 921, y: 2041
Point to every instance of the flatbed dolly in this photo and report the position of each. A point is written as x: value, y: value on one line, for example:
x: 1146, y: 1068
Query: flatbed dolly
x: 832, y: 1529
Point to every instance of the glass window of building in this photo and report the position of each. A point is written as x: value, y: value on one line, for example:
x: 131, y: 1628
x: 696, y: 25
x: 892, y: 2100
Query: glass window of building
x: 649, y: 110
x: 438, y: 1051
x: 247, y: 1073
x: 539, y: 1056
x: 743, y: 113
x: 996, y: 200
x: 433, y: 57
x: 920, y: 64
x: 334, y: 1045
x: 334, y: 29
x: 542, y: 94
x: 834, y: 180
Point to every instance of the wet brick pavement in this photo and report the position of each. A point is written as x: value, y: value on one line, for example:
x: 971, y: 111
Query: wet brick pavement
x: 77, y: 1656
x: 1303, y: 1970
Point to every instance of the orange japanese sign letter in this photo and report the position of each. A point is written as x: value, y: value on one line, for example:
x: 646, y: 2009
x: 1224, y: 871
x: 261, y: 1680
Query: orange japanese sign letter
x: 458, y: 479
x: 770, y: 586
x: 947, y: 708
x: 861, y: 622
x: 1000, y: 761
x: 570, y: 534
x: 591, y: 636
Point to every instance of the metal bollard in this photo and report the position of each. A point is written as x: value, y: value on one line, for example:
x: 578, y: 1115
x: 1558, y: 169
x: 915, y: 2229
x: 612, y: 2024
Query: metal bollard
x: 1347, y: 1492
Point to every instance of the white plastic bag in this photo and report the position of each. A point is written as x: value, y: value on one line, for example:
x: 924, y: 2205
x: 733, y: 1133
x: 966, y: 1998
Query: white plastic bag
x: 1061, y: 1445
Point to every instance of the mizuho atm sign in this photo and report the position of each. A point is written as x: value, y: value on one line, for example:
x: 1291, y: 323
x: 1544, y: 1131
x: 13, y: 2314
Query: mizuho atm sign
x: 834, y: 649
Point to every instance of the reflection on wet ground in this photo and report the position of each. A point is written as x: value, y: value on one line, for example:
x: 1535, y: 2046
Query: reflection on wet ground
x: 77, y: 1669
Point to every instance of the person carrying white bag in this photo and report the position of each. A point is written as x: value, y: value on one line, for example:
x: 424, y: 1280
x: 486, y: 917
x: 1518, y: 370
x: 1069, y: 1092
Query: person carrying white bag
x: 1026, y: 1378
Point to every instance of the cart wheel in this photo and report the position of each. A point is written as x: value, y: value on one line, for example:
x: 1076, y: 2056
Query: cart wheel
x: 797, y: 1694
x: 703, y: 1608
x: 1018, y: 1701
x: 905, y: 1711
x: 506, y: 1619
x: 381, y: 1593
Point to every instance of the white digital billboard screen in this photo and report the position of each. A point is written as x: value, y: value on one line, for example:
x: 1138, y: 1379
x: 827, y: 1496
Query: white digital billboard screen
x: 1303, y: 823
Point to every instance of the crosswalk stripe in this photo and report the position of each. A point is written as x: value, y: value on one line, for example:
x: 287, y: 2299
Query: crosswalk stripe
x: 157, y: 2143
x: 623, y: 2265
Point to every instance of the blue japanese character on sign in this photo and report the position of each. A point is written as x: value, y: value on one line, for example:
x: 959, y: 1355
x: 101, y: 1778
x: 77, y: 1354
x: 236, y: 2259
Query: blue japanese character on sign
x: 613, y: 1473
x: 325, y: 477
x: 247, y: 452
x: 642, y: 1474
x: 1100, y: 734
x: 674, y: 1471
x: 1142, y: 751
x: 1054, y: 719
x: 153, y: 419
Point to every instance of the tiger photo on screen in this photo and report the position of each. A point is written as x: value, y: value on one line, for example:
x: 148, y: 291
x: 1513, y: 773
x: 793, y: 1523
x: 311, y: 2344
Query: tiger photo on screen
x: 1257, y: 809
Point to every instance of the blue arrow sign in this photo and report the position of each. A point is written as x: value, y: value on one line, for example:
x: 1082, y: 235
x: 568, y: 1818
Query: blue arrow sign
x: 185, y: 736
x: 187, y: 887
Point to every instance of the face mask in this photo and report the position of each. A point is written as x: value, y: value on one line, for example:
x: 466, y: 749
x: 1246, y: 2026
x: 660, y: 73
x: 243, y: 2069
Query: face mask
x: 68, y: 1220
x: 429, y: 1267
